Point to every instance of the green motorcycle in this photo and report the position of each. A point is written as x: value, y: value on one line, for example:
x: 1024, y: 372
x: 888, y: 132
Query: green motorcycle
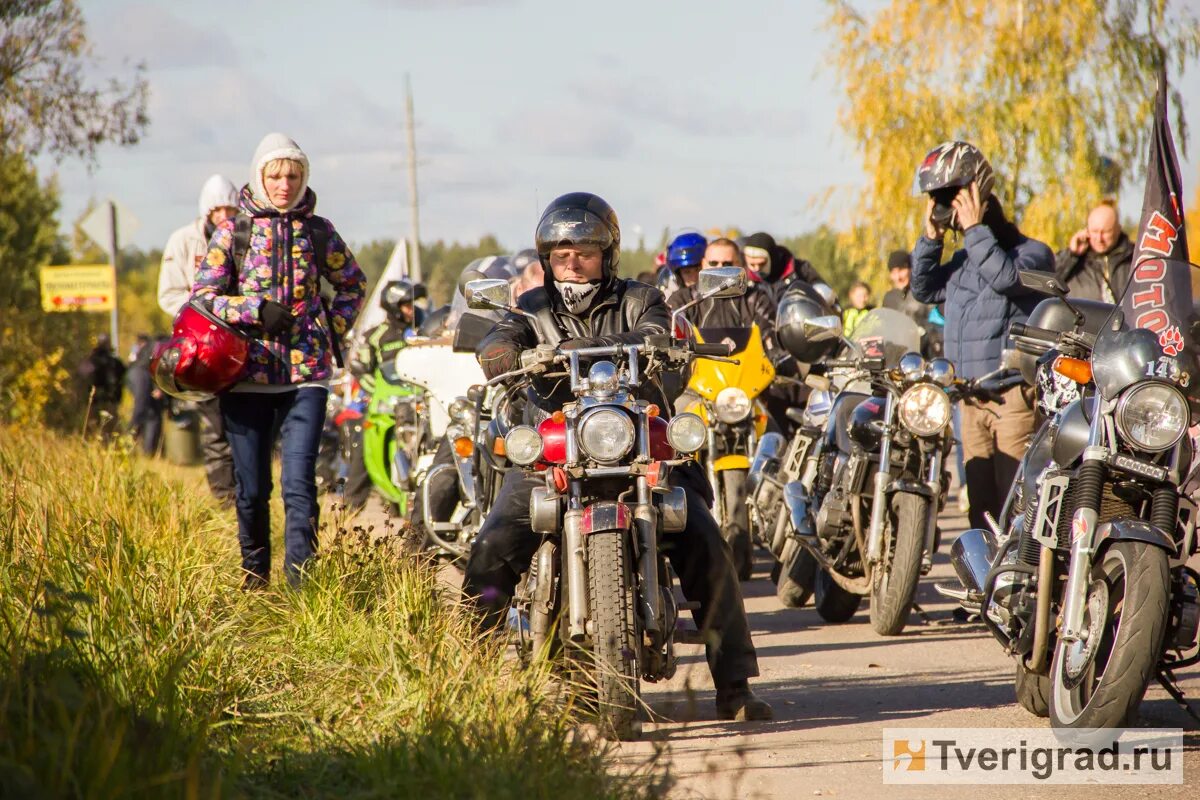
x: 395, y: 434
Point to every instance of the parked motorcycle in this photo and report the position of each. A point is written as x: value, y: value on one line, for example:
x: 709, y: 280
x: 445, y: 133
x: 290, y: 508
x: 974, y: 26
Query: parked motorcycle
x: 871, y: 479
x: 1084, y: 579
x: 729, y: 402
x: 606, y: 457
x: 395, y: 432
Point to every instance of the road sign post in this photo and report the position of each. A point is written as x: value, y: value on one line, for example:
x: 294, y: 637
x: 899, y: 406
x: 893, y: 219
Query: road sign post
x: 108, y: 225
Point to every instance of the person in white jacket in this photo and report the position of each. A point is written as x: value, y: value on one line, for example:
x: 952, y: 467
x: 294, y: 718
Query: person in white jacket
x: 185, y: 248
x: 189, y: 244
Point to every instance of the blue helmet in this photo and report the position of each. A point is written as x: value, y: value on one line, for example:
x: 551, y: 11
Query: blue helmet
x: 686, y: 250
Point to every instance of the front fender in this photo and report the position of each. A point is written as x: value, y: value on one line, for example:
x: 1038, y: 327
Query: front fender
x: 605, y: 515
x: 733, y: 461
x: 909, y: 486
x: 1132, y: 530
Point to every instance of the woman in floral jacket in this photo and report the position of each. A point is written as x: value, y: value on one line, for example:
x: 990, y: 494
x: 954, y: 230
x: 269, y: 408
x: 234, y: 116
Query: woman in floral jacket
x: 273, y: 295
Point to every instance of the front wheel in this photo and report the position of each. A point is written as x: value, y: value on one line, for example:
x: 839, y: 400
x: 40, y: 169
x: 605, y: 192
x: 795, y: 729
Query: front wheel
x: 894, y: 582
x: 834, y: 603
x: 615, y: 639
x: 797, y: 575
x: 1099, y: 682
x: 735, y: 527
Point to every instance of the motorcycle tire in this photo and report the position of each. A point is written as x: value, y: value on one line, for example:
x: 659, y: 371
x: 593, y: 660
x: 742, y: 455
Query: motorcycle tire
x: 832, y: 602
x: 735, y: 528
x: 894, y: 583
x: 797, y: 575
x: 616, y: 640
x: 1138, y: 589
x: 1033, y: 691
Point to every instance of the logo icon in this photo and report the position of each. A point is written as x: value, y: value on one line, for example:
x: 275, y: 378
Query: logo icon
x: 913, y: 758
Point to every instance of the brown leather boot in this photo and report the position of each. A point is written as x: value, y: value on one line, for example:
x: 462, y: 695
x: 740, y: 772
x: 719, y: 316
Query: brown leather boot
x: 737, y: 702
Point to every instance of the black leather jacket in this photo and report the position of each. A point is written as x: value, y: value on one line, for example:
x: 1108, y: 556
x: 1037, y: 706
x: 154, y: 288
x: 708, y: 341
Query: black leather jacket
x: 624, y: 312
x: 755, y: 306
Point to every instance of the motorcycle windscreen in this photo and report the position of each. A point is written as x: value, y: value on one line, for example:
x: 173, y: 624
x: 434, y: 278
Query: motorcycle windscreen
x: 752, y: 374
x: 1125, y: 353
x: 887, y: 334
x: 442, y: 373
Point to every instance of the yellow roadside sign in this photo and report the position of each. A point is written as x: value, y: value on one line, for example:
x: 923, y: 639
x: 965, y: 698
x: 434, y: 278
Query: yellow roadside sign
x: 90, y: 287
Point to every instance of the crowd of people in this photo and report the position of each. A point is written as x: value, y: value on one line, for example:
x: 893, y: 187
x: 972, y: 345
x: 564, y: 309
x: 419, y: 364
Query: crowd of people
x: 256, y: 259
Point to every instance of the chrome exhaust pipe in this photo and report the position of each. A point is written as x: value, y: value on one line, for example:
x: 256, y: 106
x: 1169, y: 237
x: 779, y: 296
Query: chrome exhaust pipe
x: 972, y: 555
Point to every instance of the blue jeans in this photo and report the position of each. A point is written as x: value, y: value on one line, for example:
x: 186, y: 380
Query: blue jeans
x: 252, y: 422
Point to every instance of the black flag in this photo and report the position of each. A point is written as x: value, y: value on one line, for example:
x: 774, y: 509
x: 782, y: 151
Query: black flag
x: 1159, y: 295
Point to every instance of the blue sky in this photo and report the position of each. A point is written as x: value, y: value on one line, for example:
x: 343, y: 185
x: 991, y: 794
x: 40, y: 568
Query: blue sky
x: 680, y: 114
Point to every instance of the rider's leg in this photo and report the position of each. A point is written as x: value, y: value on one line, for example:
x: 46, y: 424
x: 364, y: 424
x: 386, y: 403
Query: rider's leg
x: 503, y: 548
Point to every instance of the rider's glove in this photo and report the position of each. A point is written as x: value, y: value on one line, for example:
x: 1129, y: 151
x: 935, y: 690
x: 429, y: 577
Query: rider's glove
x: 276, y: 319
x: 499, y: 358
x: 581, y: 343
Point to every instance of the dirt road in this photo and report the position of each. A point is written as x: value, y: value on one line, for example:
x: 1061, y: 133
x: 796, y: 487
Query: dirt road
x: 835, y: 688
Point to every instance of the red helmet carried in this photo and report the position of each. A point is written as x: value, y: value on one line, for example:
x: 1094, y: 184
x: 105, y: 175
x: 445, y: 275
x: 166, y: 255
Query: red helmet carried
x: 203, y: 356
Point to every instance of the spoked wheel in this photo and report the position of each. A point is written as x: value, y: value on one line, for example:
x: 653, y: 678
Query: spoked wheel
x: 797, y: 575
x: 894, y: 583
x: 1098, y: 682
x: 616, y: 641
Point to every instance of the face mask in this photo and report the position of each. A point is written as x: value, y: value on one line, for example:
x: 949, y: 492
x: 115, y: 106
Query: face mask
x: 577, y: 296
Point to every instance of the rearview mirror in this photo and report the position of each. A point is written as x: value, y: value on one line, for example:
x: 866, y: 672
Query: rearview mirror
x: 467, y: 276
x: 1043, y: 282
x: 823, y: 329
x: 487, y: 293
x: 722, y: 282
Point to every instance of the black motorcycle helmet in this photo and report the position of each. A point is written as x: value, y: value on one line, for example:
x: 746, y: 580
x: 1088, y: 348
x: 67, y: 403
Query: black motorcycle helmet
x: 945, y: 170
x: 397, y: 294
x: 579, y: 218
x: 800, y: 303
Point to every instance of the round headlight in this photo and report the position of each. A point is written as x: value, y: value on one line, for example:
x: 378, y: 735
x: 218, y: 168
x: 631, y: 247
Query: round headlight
x: 606, y: 434
x: 459, y: 408
x: 925, y: 409
x: 912, y: 366
x: 523, y: 445
x: 732, y: 405
x: 686, y: 433
x: 1152, y: 416
x: 940, y: 371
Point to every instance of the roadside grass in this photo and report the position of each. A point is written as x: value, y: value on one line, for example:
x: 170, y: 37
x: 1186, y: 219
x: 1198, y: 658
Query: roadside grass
x: 131, y: 665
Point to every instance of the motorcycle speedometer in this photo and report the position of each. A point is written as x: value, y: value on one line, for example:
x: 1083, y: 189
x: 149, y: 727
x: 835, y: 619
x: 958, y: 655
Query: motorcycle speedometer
x: 523, y: 445
x: 1152, y: 416
x: 606, y: 434
x: 732, y: 405
x: 925, y: 409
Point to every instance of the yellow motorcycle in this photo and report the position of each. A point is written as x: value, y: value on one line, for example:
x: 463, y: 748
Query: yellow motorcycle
x: 726, y: 394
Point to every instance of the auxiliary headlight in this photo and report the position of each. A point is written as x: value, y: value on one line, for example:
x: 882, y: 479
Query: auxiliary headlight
x: 523, y: 445
x: 732, y: 405
x: 1152, y: 416
x: 925, y: 409
x: 686, y: 433
x: 606, y: 434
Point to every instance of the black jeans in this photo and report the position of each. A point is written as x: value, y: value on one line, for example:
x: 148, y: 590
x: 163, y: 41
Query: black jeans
x: 698, y: 554
x: 252, y: 422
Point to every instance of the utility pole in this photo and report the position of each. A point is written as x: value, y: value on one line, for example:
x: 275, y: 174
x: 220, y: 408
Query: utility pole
x: 415, y: 258
x: 114, y: 251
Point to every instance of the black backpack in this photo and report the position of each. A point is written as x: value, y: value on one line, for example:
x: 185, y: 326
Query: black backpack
x: 318, y: 234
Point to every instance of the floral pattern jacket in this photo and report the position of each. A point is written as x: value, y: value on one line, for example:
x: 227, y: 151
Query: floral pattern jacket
x: 279, y: 265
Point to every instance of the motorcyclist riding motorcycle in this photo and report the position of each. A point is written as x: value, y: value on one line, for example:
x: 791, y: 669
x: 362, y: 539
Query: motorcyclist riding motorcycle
x: 584, y: 304
x: 380, y: 343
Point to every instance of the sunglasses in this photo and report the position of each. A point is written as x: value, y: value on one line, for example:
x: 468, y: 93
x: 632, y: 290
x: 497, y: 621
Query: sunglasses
x: 713, y: 263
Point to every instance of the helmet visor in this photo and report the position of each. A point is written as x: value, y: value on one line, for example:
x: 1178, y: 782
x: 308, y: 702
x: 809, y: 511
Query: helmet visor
x: 572, y: 227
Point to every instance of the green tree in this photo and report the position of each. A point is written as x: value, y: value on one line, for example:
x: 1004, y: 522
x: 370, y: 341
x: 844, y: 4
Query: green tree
x: 28, y: 230
x: 47, y: 101
x: 1055, y: 94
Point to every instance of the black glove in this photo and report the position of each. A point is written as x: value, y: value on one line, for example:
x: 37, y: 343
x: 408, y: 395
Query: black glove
x: 581, y: 342
x: 275, y: 317
x: 499, y: 358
